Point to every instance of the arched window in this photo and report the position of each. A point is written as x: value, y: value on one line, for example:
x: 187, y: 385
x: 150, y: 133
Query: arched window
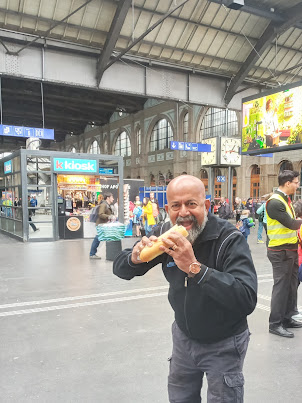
x: 234, y: 183
x: 73, y: 150
x: 204, y: 179
x: 218, y: 123
x: 286, y: 165
x: 139, y: 140
x: 255, y: 182
x: 122, y: 145
x: 94, y: 148
x: 161, y: 136
x: 186, y: 127
x: 217, y: 172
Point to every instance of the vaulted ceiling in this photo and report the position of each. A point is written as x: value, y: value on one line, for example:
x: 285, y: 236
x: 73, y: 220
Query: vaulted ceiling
x: 259, y: 44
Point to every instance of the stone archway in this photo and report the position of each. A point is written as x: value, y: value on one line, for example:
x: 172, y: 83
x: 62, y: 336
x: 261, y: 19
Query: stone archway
x: 286, y: 165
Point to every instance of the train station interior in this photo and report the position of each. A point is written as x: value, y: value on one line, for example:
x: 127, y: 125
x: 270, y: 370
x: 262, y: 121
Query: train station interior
x: 120, y: 96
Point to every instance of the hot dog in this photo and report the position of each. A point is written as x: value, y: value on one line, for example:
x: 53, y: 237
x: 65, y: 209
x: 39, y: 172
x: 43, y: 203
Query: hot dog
x: 151, y: 252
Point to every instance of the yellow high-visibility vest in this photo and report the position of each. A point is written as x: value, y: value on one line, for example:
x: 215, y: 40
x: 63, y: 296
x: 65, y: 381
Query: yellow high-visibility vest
x: 277, y: 233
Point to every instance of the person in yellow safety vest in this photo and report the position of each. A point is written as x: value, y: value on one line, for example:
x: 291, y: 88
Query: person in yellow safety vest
x: 282, y: 252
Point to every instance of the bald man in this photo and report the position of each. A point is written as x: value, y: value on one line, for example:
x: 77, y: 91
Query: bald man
x: 213, y: 287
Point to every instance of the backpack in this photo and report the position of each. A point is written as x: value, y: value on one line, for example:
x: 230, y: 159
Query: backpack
x: 261, y: 216
x: 94, y: 214
x: 138, y: 211
x: 240, y: 226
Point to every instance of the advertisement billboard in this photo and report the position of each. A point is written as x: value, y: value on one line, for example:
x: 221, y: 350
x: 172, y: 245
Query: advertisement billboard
x: 8, y: 167
x: 272, y: 121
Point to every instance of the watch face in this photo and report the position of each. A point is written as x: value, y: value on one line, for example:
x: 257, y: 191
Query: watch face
x: 194, y: 268
x: 211, y: 157
x: 229, y: 152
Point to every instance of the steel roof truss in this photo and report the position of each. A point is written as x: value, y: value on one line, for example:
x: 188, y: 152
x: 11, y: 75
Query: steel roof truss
x: 292, y: 16
x: 112, y: 37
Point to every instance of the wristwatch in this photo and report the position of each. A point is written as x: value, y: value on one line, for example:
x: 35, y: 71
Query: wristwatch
x: 194, y: 269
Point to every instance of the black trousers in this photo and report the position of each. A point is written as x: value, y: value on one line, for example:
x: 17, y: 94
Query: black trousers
x: 284, y: 294
x: 32, y: 224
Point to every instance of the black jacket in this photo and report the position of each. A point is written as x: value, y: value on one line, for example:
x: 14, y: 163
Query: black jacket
x: 217, y: 306
x: 224, y: 211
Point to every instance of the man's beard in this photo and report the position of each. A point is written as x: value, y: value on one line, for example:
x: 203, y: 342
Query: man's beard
x: 196, y: 229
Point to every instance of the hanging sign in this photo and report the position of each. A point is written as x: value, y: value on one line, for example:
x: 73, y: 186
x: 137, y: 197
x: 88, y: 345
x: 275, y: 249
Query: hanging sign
x: 183, y: 146
x: 8, y: 167
x: 20, y: 131
x: 106, y: 171
x: 74, y: 165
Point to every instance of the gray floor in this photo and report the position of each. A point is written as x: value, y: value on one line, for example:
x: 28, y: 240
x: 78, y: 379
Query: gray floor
x: 73, y: 332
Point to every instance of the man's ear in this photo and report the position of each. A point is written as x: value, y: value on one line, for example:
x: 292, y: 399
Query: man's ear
x: 208, y: 204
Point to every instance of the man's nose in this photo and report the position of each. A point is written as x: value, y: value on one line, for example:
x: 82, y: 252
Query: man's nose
x: 183, y: 211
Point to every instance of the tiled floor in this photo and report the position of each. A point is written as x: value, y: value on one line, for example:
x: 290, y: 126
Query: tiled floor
x: 72, y: 332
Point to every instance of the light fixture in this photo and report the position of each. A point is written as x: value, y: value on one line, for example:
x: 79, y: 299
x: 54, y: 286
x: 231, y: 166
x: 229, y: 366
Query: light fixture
x: 235, y: 4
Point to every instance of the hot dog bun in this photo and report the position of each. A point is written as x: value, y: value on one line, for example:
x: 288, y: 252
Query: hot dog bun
x: 151, y: 252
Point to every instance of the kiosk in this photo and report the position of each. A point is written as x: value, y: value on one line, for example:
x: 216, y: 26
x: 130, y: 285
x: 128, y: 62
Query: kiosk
x: 54, y: 191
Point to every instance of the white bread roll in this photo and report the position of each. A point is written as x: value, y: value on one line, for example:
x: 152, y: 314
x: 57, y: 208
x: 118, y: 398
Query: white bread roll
x: 151, y: 252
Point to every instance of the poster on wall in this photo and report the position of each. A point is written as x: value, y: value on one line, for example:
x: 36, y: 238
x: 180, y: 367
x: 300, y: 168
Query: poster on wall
x: 273, y: 122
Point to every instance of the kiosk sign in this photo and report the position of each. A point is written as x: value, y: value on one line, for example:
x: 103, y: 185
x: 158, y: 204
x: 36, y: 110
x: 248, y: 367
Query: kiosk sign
x: 8, y: 167
x: 71, y: 165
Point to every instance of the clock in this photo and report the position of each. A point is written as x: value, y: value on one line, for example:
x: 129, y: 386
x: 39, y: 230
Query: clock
x: 230, y: 151
x: 211, y: 157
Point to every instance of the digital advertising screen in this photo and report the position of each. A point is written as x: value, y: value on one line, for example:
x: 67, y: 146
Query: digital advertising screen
x: 272, y: 122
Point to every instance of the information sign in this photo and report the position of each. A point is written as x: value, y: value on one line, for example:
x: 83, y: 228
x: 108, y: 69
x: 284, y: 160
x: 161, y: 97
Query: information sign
x: 106, y: 171
x: 220, y: 178
x: 26, y: 132
x: 183, y: 146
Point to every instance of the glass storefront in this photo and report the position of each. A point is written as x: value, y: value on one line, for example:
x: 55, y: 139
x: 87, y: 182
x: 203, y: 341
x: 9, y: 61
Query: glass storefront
x: 41, y: 189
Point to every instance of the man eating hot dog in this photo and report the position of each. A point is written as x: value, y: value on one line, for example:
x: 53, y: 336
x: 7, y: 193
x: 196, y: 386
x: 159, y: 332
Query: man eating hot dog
x: 213, y: 287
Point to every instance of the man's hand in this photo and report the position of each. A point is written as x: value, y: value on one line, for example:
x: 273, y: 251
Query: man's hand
x: 180, y: 249
x: 139, y: 246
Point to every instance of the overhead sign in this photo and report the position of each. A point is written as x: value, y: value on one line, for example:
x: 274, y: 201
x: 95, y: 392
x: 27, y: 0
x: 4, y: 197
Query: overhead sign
x: 74, y: 165
x: 220, y: 178
x: 183, y: 146
x: 8, y: 167
x: 106, y: 171
x: 20, y: 131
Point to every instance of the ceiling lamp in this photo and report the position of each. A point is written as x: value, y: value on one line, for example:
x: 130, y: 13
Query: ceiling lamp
x: 235, y: 4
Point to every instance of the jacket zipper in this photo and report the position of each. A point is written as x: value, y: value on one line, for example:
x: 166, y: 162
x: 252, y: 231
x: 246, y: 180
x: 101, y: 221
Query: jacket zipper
x: 185, y: 305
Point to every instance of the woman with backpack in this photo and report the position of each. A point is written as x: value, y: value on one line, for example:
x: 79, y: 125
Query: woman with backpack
x: 137, y: 216
x: 262, y: 219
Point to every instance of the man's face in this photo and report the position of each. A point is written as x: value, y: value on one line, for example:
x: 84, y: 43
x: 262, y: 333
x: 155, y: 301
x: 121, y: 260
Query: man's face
x: 187, y: 205
x: 110, y: 199
x: 293, y: 186
x: 151, y: 195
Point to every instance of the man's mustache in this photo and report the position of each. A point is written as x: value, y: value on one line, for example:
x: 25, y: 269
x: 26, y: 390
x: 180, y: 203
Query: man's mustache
x: 181, y: 220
